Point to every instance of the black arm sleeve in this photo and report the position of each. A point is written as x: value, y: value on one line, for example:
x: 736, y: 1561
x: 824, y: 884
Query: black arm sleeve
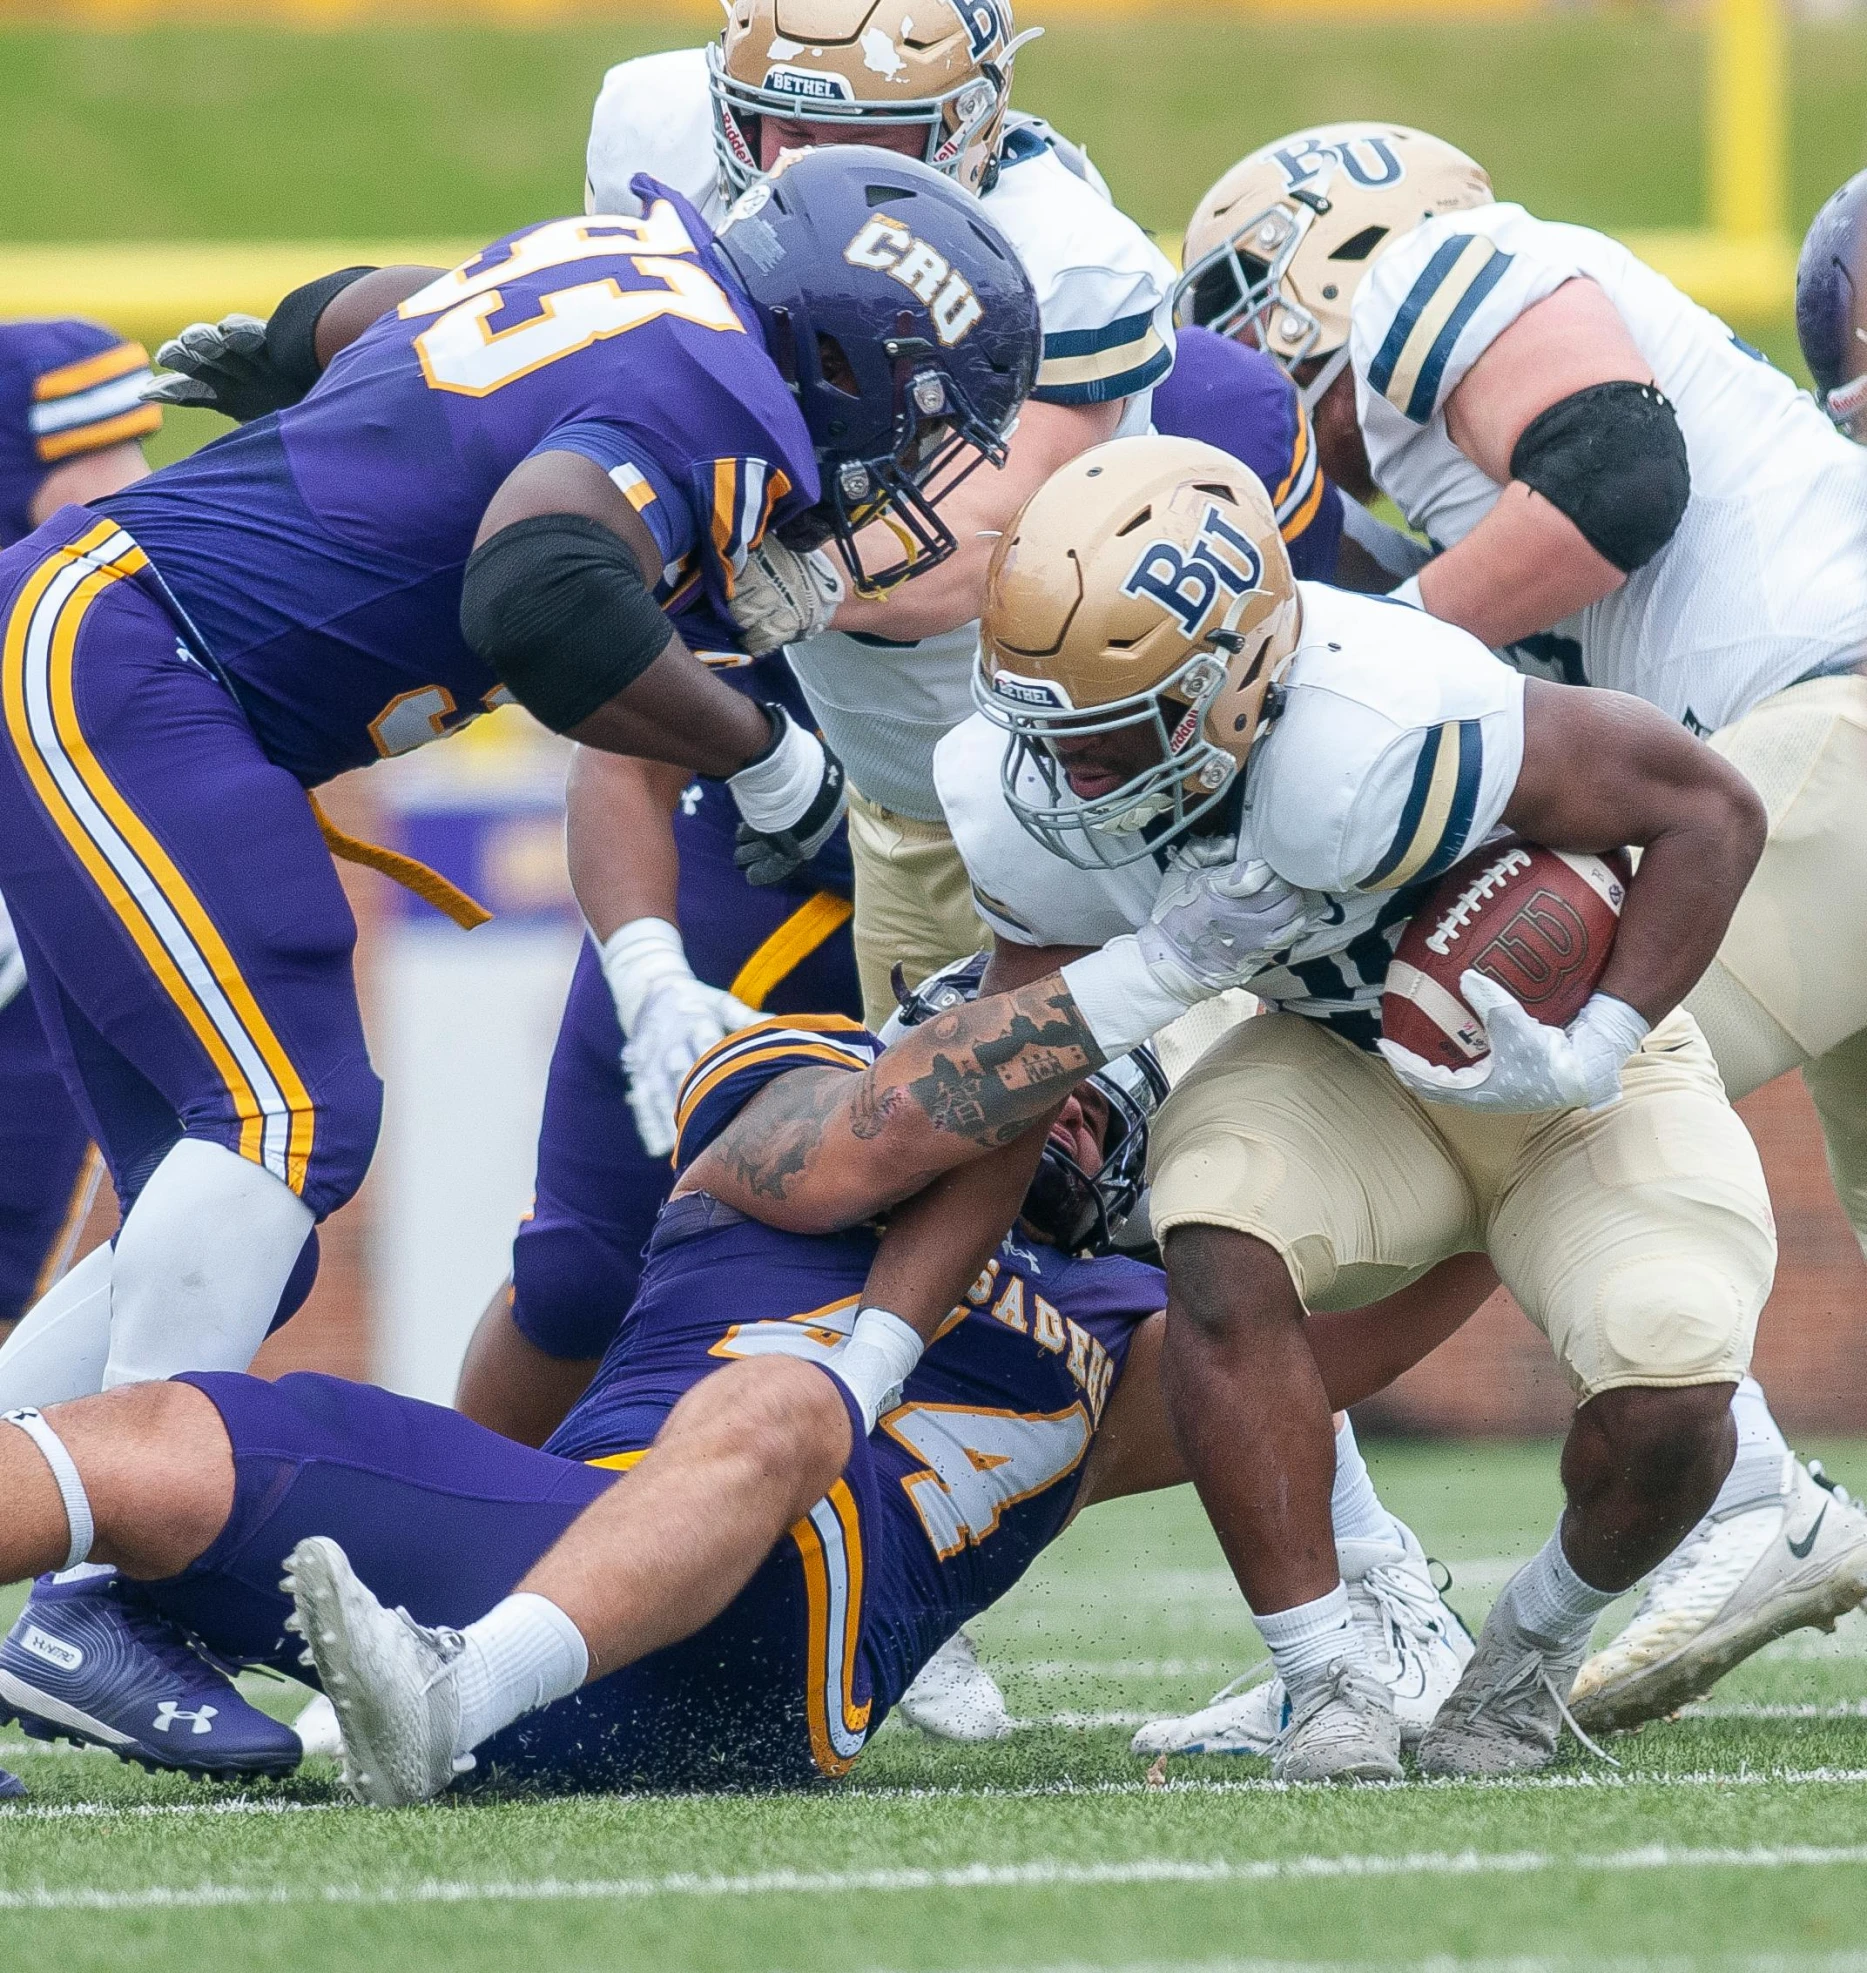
x: 292, y: 330
x: 1613, y: 459
x: 557, y: 606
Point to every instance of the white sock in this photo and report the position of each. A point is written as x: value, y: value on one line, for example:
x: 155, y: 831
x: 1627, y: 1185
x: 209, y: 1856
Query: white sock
x: 1756, y: 1473
x: 521, y: 1655
x: 201, y: 1262
x: 59, y: 1349
x: 1354, y: 1506
x: 1552, y: 1602
x: 1305, y: 1641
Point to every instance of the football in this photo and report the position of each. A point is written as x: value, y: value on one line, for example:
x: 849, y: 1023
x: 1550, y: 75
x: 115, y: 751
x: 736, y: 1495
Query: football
x: 1538, y: 921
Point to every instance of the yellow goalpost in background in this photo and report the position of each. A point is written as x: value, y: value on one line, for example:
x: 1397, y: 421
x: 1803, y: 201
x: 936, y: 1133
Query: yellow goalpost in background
x: 1740, y: 263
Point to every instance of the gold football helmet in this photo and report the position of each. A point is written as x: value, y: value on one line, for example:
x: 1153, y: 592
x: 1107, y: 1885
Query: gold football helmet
x: 942, y: 64
x: 1144, y: 587
x: 1281, y: 243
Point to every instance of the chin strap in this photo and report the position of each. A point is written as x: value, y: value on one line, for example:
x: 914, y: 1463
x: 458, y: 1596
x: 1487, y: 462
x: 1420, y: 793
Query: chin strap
x: 1333, y: 366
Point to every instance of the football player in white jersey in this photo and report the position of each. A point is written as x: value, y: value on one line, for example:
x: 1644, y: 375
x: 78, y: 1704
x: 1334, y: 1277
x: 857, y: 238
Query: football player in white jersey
x: 1259, y: 779
x: 1624, y: 495
x: 887, y: 677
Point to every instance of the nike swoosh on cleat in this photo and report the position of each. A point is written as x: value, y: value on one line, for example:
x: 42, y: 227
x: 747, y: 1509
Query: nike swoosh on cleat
x: 1800, y: 1549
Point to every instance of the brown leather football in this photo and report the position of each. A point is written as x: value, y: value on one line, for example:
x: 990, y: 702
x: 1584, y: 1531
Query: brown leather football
x: 1538, y: 921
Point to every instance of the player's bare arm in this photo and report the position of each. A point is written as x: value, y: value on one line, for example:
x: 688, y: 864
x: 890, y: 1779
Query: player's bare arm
x: 816, y: 1152
x: 619, y: 839
x: 1527, y: 565
x: 977, y: 511
x: 1601, y: 769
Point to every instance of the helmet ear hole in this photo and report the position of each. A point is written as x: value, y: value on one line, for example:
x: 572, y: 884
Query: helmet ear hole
x: 1362, y: 245
x: 838, y: 372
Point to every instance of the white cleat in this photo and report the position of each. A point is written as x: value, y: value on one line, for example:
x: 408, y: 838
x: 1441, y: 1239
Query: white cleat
x: 1412, y: 1638
x: 1731, y: 1586
x: 954, y: 1697
x: 318, y: 1732
x: 390, y: 1680
x: 1509, y: 1707
x: 1344, y: 1731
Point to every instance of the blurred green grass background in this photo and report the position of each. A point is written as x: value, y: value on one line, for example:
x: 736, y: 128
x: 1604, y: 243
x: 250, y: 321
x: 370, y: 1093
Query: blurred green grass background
x: 228, y: 131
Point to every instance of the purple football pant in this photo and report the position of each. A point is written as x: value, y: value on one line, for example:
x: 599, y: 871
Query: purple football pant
x: 444, y: 1518
x: 187, y: 940
x: 578, y: 1258
x: 45, y: 1162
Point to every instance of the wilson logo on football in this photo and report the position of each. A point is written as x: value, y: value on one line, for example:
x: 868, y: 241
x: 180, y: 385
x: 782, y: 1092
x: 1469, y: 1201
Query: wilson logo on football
x: 1186, y: 583
x: 890, y: 248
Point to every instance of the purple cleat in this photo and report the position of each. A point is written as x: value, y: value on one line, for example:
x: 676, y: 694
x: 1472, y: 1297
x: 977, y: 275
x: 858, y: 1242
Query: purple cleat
x: 12, y: 1788
x: 90, y: 1663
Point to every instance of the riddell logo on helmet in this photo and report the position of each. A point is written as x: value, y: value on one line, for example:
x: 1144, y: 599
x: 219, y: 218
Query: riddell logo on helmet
x: 1370, y: 161
x: 1187, y: 584
x: 890, y: 248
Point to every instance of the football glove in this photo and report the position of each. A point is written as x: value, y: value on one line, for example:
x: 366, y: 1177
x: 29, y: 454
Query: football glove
x: 669, y: 1020
x: 1531, y: 1066
x: 790, y: 798
x: 1215, y: 924
x: 782, y: 597
x: 224, y: 366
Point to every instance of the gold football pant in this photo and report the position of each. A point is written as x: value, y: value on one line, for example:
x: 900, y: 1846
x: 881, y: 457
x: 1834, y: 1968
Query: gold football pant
x: 1637, y: 1238
x: 1789, y: 986
x: 913, y: 902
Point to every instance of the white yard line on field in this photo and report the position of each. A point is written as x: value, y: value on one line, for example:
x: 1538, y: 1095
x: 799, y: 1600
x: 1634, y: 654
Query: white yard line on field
x: 1044, y: 1875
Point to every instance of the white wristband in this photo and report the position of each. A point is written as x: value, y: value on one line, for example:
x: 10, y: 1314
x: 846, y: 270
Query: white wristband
x: 876, y: 1361
x: 1120, y: 998
x: 1618, y: 1026
x: 1408, y: 593
x: 775, y: 792
x: 637, y: 957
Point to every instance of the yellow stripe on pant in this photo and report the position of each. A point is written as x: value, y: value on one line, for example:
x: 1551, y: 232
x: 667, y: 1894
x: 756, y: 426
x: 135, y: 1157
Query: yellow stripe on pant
x: 778, y: 956
x: 179, y: 942
x: 829, y: 1541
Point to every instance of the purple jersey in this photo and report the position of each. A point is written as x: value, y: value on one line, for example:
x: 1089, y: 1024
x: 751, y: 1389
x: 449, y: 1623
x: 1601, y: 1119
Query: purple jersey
x: 976, y: 1464
x: 317, y: 555
x: 1235, y: 397
x: 67, y: 387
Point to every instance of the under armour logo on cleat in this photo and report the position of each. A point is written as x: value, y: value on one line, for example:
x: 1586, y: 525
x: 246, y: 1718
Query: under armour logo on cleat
x: 1800, y: 1549
x: 168, y: 1712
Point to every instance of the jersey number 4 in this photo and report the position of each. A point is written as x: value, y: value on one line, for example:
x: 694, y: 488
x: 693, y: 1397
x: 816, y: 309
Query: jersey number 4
x: 982, y: 1462
x: 461, y: 352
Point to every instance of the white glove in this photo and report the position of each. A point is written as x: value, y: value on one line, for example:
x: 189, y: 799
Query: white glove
x: 782, y: 597
x: 669, y: 1020
x: 1531, y: 1066
x: 1215, y: 926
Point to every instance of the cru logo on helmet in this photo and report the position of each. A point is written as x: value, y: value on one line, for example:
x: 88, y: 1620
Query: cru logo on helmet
x: 890, y: 248
x: 1370, y: 161
x: 1187, y: 585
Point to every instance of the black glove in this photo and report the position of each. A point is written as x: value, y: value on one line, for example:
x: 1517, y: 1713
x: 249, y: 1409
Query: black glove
x: 243, y: 367
x: 794, y: 794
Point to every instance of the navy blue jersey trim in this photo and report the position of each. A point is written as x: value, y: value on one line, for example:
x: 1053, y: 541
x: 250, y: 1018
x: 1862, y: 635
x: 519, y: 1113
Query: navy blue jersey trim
x: 1087, y: 342
x: 1426, y: 391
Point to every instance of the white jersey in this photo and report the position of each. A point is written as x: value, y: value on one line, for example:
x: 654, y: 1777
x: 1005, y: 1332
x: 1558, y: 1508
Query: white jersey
x: 1765, y: 581
x: 1105, y: 296
x: 1399, y: 743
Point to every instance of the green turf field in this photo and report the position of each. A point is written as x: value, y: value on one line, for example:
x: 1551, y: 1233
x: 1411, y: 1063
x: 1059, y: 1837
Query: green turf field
x: 1733, y: 1838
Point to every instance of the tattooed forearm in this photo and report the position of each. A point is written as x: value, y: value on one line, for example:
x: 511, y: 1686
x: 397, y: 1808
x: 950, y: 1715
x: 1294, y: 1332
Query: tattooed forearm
x: 1001, y: 1062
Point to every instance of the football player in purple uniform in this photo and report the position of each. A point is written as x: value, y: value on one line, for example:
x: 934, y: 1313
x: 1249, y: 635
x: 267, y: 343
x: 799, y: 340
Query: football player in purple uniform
x: 1831, y: 306
x: 799, y: 1571
x: 72, y: 422
x: 486, y: 494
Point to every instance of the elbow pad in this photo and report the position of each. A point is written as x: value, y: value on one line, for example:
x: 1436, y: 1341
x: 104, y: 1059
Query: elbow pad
x: 1613, y: 460
x: 557, y: 607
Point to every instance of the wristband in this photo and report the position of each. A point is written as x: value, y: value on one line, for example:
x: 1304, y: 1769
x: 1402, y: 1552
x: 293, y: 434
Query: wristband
x: 873, y: 1365
x: 636, y: 958
x: 1611, y: 1022
x: 776, y: 788
x: 1119, y: 998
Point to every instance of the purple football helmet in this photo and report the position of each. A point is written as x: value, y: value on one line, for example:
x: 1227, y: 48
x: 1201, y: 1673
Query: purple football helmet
x: 1831, y: 306
x: 905, y: 325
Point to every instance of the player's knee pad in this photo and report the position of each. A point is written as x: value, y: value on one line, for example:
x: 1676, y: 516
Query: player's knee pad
x: 1613, y: 460
x: 65, y: 1472
x: 570, y: 1287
